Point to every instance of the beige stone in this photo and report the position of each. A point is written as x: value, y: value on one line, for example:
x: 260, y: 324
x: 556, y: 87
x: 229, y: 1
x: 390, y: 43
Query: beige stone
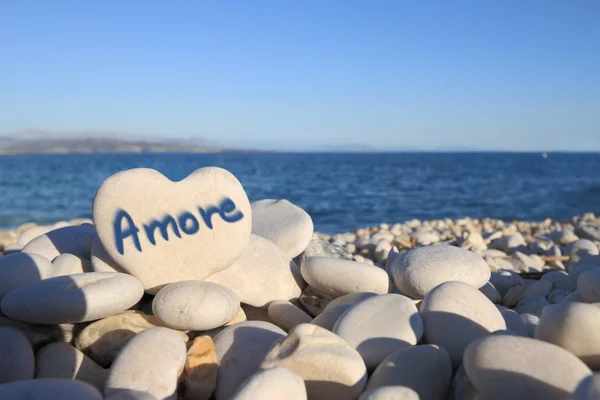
x: 20, y: 269
x: 390, y: 393
x: 330, y: 316
x: 588, y: 388
x: 42, y: 389
x: 588, y: 285
x: 314, y: 301
x: 200, y: 371
x: 17, y: 361
x: 273, y: 383
x: 67, y: 264
x: 75, y: 240
x: 286, y: 315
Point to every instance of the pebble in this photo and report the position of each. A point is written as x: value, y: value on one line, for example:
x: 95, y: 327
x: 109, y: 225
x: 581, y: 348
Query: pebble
x: 574, y: 327
x: 588, y: 388
x: 20, y: 269
x: 513, y: 367
x: 532, y: 305
x: 509, y: 244
x: 330, y: 368
x: 426, y: 369
x: 417, y: 272
x: 150, y: 362
x: 67, y: 264
x: 73, y: 298
x: 286, y: 315
x: 76, y: 240
x: 101, y: 261
x: 556, y: 296
x: 462, y: 388
x: 272, y: 383
x: 49, y: 389
x: 588, y: 285
x: 283, y: 223
x: 134, y: 214
x: 61, y: 360
x: 262, y: 274
x: 195, y: 305
x: 514, y: 323
x: 200, y: 370
x: 351, y: 299
x: 380, y: 325
x: 29, y: 232
x: 328, y: 318
x: 318, y: 247
x: 313, y: 301
x: 335, y: 277
x: 102, y: 340
x: 531, y: 323
x: 17, y: 361
x: 240, y: 350
x: 390, y: 393
x: 490, y: 292
x: 455, y: 314
x: 588, y: 231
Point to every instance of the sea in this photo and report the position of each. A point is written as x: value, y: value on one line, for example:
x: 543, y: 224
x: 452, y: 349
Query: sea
x: 340, y: 191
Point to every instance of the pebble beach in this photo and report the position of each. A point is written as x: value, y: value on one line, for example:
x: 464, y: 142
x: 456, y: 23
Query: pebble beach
x: 187, y: 290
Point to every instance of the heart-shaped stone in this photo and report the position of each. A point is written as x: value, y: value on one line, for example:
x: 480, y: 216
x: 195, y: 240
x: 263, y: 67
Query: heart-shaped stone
x: 162, y: 231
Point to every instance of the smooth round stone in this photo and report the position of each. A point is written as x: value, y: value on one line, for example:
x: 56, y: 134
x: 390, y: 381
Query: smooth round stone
x: 256, y: 313
x: 588, y: 389
x: 328, y: 318
x: 350, y: 299
x: 73, y: 298
x: 380, y: 325
x: 417, y: 272
x: 154, y: 229
x: 574, y: 327
x: 588, y: 285
x: 262, y: 274
x: 13, y: 248
x: 531, y: 323
x: 240, y: 350
x: 331, y: 369
x: 556, y: 296
x: 75, y: 240
x: 61, y: 360
x: 532, y: 305
x: 517, y: 294
x: 102, y: 340
x: 41, y: 335
x: 17, y: 361
x: 283, y: 223
x: 20, y: 269
x: 462, y: 388
x: 49, y: 389
x: 131, y: 395
x: 390, y: 393
x: 318, y: 247
x: 514, y: 323
x: 490, y: 292
x: 286, y: 315
x: 554, y: 276
x: 195, y: 305
x: 581, y: 248
x: 426, y: 369
x: 574, y: 297
x: 151, y: 362
x: 272, y: 383
x: 313, y: 300
x: 513, y: 367
x: 68, y: 264
x: 27, y: 235
x: 455, y: 314
x: 200, y: 371
x: 335, y: 277
x: 101, y: 261
x: 504, y: 280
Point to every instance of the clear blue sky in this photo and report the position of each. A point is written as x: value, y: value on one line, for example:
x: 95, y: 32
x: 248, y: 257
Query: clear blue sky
x: 510, y: 74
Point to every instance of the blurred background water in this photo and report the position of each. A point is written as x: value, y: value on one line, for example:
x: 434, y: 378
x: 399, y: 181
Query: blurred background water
x: 341, y: 191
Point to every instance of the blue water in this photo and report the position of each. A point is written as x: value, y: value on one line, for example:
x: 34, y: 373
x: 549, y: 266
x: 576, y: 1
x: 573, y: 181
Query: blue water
x: 339, y: 191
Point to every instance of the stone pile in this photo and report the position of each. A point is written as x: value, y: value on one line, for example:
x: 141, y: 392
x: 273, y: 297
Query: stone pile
x: 188, y: 291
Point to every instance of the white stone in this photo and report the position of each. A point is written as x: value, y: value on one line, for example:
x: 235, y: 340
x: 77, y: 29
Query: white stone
x: 286, y: 315
x: 532, y: 305
x: 426, y: 369
x: 513, y: 367
x: 154, y: 229
x: 331, y: 369
x: 588, y: 388
x: 335, y: 277
x: 101, y: 261
x: 20, y: 269
x: 61, y: 360
x: 514, y: 323
x: 490, y: 292
x: 455, y: 314
x: 17, y: 361
x: 75, y: 240
x: 417, y: 271
x: 273, y: 383
x: 151, y: 362
x: 380, y: 325
x: 556, y: 296
x: 68, y: 264
x: 240, y: 350
x: 131, y: 395
x: 390, y: 393
x: 49, y: 389
x: 195, y: 305
x: 73, y: 298
x: 29, y: 234
x: 588, y: 285
x: 574, y: 327
x: 283, y: 223
x: 531, y: 323
x: 351, y: 299
x: 462, y: 388
x: 574, y: 297
x: 504, y: 280
x: 330, y: 316
x: 262, y: 274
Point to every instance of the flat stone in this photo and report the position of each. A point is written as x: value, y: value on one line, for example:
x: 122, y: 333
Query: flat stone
x: 200, y: 371
x: 240, y: 350
x: 283, y: 223
x: 151, y: 362
x: 513, y: 367
x: 321, y: 248
x: 195, y: 305
x: 262, y: 274
x: 426, y: 369
x: 286, y: 315
x: 588, y: 388
x: 162, y: 231
x: 380, y: 325
x: 272, y: 383
x: 330, y: 368
x: 335, y: 277
x: 61, y: 360
x: 574, y: 327
x: 390, y: 393
x: 455, y: 314
x: 72, y: 298
x: 20, y: 269
x: 328, y: 318
x: 588, y: 285
x: 103, y: 339
x: 75, y: 240
x: 17, y: 362
x: 418, y: 271
x: 43, y: 389
x: 67, y: 264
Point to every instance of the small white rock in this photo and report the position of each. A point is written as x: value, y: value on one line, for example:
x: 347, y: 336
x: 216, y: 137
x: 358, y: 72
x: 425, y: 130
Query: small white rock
x: 17, y: 362
x: 273, y: 383
x: 286, y: 315
x: 49, y: 389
